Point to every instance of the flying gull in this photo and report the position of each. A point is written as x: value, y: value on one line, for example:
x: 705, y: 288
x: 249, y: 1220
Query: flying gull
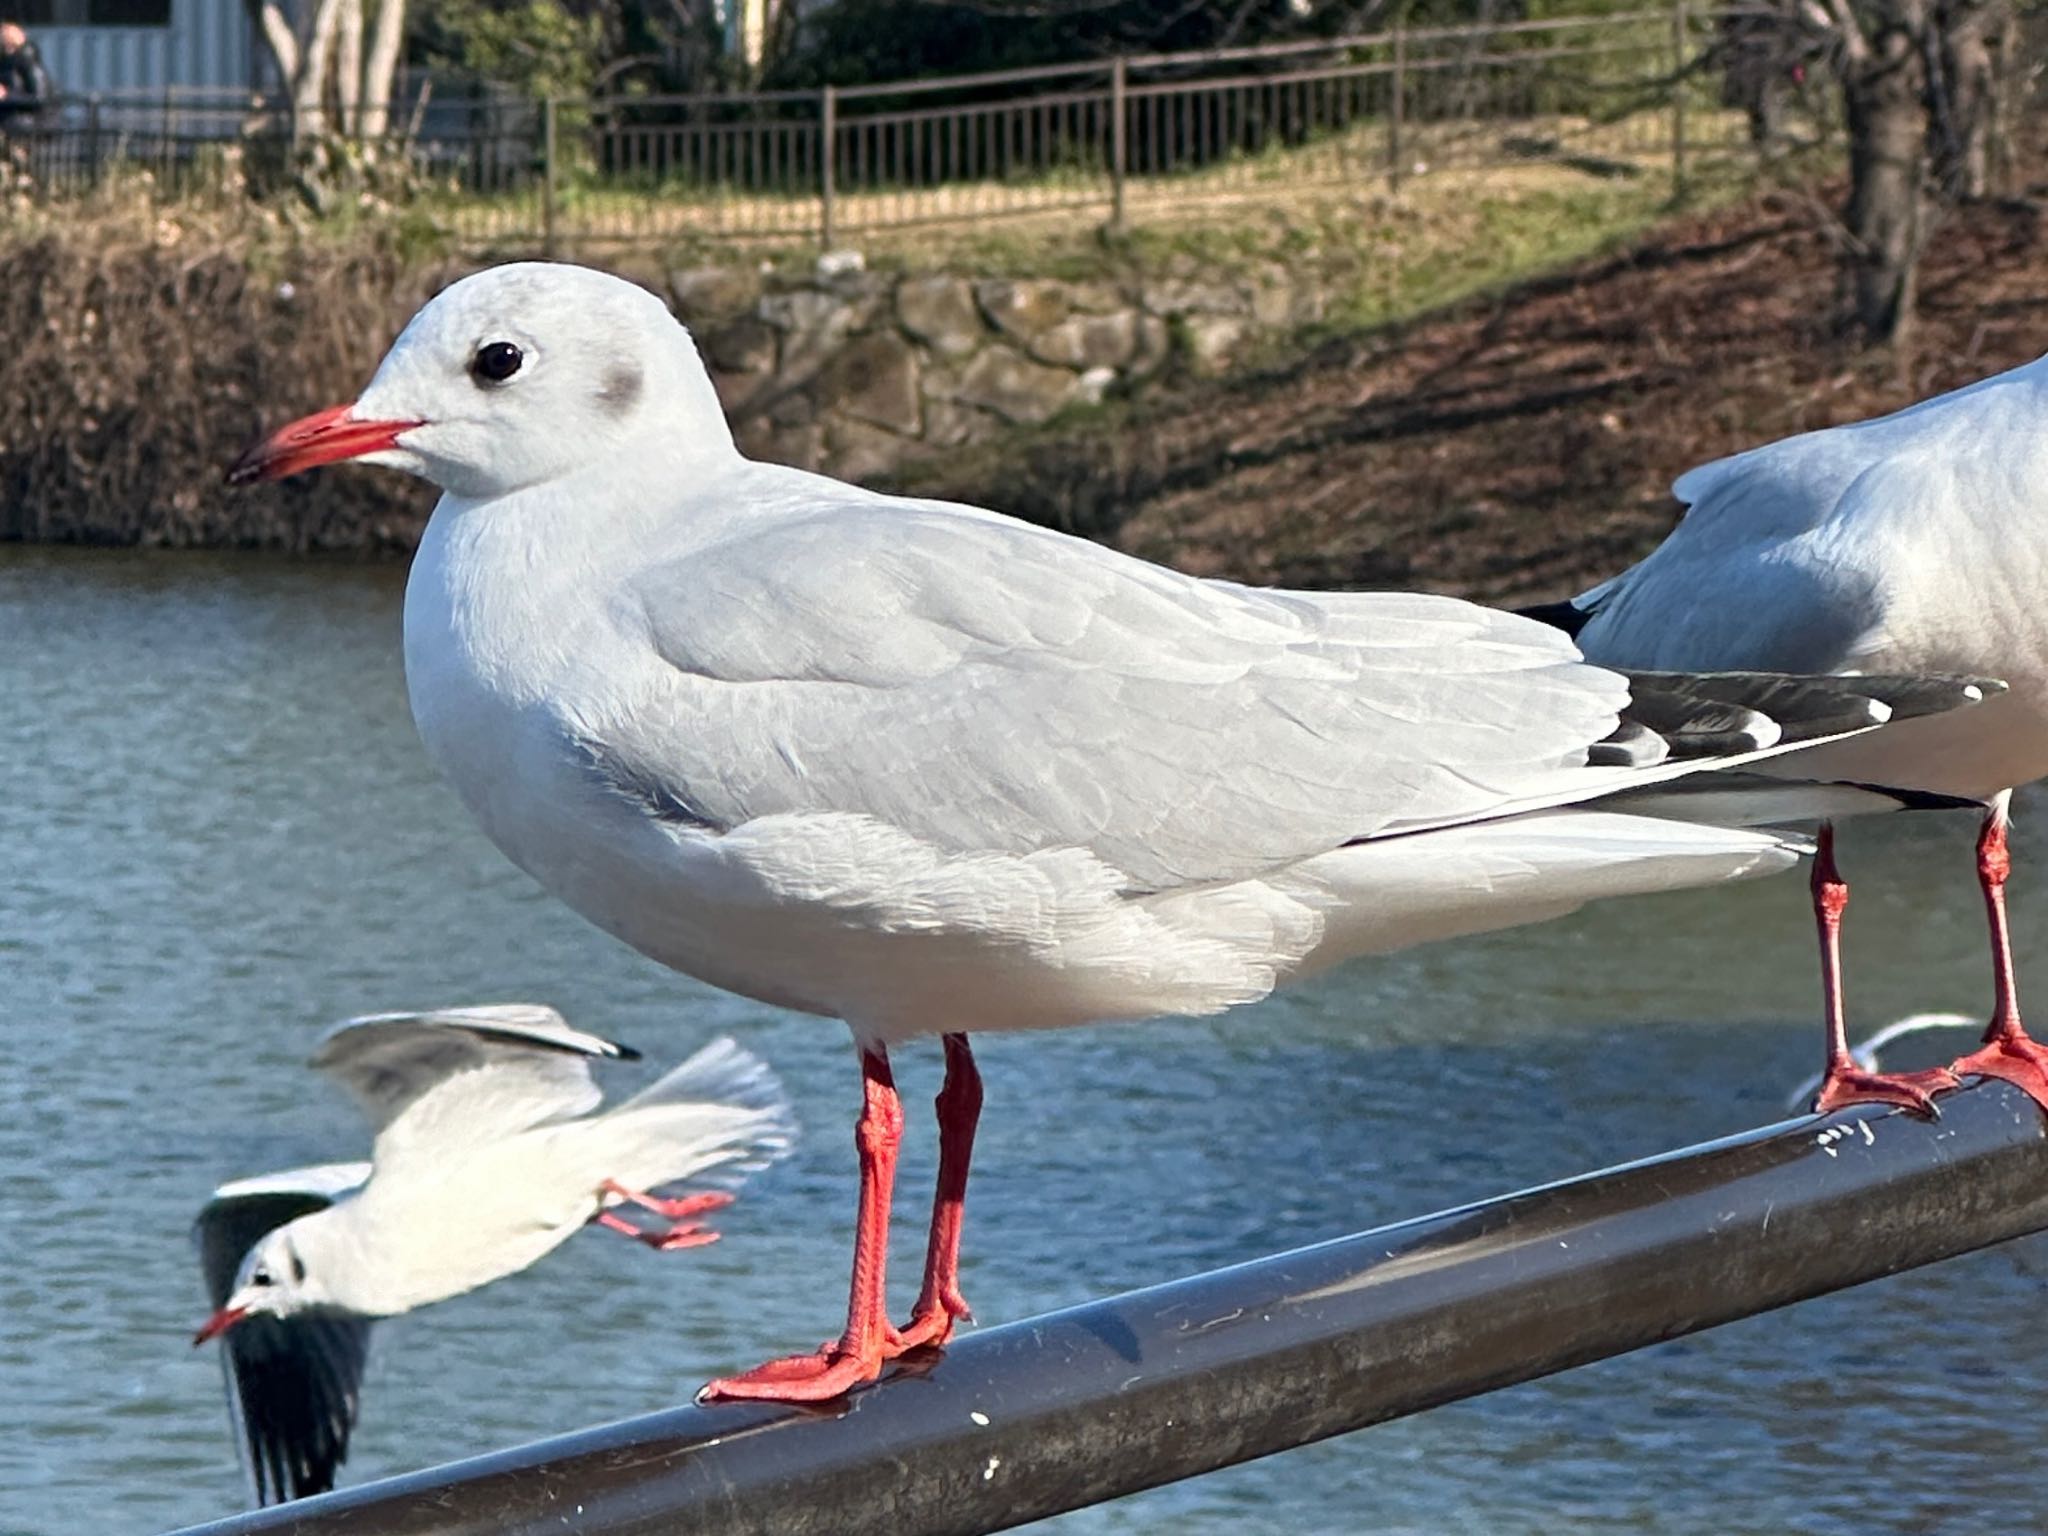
x: 490, y: 1152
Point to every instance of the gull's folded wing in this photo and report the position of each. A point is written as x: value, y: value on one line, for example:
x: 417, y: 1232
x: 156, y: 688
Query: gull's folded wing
x: 991, y: 688
x: 292, y: 1383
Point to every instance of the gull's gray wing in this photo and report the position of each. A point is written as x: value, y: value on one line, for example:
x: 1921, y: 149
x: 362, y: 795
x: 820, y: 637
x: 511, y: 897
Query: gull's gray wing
x: 476, y: 1072
x: 991, y: 687
x: 293, y: 1383
x: 1796, y: 555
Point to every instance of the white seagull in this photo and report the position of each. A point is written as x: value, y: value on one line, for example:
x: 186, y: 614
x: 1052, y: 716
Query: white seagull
x: 1909, y: 543
x: 923, y: 767
x: 488, y: 1155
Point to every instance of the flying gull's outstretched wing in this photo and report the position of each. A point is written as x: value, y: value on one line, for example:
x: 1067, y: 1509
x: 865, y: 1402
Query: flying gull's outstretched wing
x: 293, y: 1383
x: 473, y: 1072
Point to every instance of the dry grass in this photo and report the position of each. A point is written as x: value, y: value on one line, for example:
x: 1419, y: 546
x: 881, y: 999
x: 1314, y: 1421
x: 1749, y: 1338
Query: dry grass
x: 146, y: 346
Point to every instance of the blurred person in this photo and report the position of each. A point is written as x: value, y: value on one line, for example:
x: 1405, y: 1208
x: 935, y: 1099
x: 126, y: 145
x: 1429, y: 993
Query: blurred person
x: 27, y: 94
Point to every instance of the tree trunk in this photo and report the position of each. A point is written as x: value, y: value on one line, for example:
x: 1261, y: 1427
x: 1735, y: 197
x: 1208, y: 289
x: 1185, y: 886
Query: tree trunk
x: 348, y: 67
x: 1962, y: 117
x: 1883, y: 91
x: 382, y: 68
x: 309, y: 89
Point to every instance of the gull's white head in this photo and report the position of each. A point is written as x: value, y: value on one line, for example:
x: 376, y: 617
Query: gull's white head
x: 515, y: 377
x: 278, y: 1278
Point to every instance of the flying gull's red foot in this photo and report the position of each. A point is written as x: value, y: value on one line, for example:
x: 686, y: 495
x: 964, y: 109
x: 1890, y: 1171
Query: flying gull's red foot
x: 661, y: 1239
x: 675, y: 1210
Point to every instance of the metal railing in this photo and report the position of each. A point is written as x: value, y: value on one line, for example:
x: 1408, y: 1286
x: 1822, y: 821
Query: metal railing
x: 1016, y: 1423
x: 1620, y: 95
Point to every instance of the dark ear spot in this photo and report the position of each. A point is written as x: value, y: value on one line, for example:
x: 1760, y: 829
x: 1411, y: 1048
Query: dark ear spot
x: 298, y: 1265
x: 621, y: 388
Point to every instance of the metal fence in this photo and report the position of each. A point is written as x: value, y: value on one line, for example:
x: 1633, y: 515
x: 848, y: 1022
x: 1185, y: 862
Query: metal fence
x: 1620, y: 95
x: 1052, y: 1413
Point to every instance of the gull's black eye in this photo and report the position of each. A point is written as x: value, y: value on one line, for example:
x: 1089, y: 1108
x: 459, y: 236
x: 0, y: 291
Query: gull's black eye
x: 495, y: 362
x: 261, y: 1277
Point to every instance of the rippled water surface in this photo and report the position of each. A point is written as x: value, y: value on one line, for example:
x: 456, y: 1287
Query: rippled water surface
x: 219, y: 835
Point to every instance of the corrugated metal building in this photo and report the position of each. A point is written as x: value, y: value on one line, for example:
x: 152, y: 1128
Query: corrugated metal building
x: 115, y: 46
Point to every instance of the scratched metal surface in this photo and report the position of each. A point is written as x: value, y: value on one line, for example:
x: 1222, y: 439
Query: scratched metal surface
x: 219, y: 835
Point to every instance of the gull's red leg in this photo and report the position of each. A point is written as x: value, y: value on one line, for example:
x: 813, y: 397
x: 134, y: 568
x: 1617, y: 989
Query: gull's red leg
x: 674, y: 1210
x: 858, y: 1355
x: 939, y: 1303
x: 2008, y: 1052
x: 1844, y: 1082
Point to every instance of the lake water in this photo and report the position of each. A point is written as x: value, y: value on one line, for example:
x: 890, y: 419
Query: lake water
x: 220, y: 835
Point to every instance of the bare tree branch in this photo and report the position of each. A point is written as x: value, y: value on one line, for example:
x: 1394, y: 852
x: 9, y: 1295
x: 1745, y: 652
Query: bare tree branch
x: 275, y: 28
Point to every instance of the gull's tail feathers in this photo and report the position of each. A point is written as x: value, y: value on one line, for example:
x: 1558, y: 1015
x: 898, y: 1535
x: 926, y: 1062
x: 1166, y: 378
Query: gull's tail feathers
x: 1757, y: 800
x: 719, y: 1117
x: 1392, y: 893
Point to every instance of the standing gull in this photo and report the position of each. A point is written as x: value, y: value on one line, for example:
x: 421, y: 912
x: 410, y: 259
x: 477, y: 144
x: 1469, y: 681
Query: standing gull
x: 924, y: 768
x: 487, y: 1156
x: 1912, y: 542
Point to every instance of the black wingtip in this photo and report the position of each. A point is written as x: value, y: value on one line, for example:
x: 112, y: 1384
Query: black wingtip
x: 1911, y: 696
x: 1803, y: 707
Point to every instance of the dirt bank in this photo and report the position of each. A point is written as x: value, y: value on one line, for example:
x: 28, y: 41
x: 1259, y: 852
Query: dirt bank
x: 1517, y: 447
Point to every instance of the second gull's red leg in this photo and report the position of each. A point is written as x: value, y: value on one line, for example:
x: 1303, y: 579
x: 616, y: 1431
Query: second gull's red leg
x: 1844, y: 1082
x: 2008, y: 1052
x: 939, y: 1302
x: 858, y: 1355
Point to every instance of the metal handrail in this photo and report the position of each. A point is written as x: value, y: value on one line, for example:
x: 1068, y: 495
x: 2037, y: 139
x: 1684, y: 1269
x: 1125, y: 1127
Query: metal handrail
x: 1020, y: 1422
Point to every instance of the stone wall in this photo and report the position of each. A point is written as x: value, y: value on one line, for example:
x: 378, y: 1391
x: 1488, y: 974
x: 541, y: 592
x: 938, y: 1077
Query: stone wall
x: 857, y: 373
x: 119, y: 409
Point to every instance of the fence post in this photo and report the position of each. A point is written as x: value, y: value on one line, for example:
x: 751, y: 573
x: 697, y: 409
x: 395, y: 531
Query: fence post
x: 548, y: 189
x: 1678, y: 39
x: 1119, y: 146
x: 92, y: 136
x: 1396, y: 106
x: 828, y: 139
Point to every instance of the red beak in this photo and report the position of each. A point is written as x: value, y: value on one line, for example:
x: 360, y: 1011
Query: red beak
x: 325, y: 437
x: 219, y: 1324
